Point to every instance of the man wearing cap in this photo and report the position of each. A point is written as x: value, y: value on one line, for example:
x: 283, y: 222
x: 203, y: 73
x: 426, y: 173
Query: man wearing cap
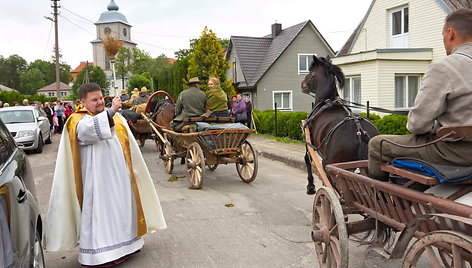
x: 134, y: 95
x: 190, y: 103
x: 124, y: 96
x: 142, y: 97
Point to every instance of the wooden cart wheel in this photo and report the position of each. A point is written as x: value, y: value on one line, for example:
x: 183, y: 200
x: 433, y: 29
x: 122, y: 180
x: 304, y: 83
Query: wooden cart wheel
x: 196, y: 165
x: 212, y: 167
x: 247, y: 165
x: 329, y: 230
x: 168, y: 158
x: 440, y: 249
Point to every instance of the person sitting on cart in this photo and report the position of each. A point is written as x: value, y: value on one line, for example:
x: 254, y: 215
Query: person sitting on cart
x: 444, y: 99
x: 190, y: 103
x: 143, y: 96
x: 124, y: 96
x: 217, y: 100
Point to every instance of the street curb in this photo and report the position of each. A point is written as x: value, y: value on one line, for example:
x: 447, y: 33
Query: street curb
x: 291, y: 161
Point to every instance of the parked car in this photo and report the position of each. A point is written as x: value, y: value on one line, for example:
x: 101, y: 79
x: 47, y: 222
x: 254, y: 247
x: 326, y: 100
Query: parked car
x: 28, y: 125
x: 20, y: 221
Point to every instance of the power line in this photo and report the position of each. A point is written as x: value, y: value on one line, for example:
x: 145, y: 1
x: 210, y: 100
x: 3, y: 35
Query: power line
x: 62, y: 16
x: 134, y: 40
x: 47, y: 43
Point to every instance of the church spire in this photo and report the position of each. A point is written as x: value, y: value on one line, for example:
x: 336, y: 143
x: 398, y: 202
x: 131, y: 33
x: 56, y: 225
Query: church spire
x: 112, y: 6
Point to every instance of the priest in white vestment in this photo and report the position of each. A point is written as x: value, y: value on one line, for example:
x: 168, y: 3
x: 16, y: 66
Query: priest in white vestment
x: 103, y: 198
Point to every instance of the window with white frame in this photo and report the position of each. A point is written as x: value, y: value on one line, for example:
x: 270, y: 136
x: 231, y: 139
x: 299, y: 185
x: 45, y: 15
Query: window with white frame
x: 51, y: 94
x: 304, y: 62
x: 352, y: 89
x: 399, y: 18
x: 406, y: 88
x: 283, y: 100
x: 63, y: 93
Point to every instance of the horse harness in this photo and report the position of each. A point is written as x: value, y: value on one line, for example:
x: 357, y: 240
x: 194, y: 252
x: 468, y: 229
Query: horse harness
x: 327, y: 104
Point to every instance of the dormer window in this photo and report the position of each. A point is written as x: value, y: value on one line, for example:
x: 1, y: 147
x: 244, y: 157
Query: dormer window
x: 399, y: 18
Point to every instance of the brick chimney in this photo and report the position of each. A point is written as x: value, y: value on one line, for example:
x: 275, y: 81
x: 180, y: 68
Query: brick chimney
x: 276, y: 29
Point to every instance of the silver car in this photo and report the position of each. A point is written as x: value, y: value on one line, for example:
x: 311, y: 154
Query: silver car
x: 28, y: 125
x: 20, y: 221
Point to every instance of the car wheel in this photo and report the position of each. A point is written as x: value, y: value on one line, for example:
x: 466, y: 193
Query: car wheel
x: 49, y: 140
x: 37, y: 256
x: 39, y: 149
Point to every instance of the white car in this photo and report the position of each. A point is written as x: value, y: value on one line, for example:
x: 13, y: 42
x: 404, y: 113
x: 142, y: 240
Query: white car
x: 28, y: 125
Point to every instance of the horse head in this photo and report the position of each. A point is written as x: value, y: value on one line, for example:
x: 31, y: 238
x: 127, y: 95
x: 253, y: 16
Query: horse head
x: 321, y: 79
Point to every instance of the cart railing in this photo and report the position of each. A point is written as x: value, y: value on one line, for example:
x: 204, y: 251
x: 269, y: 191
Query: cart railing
x: 223, y: 141
x: 393, y: 204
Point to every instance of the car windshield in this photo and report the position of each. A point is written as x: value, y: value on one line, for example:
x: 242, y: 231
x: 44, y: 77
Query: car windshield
x: 17, y: 116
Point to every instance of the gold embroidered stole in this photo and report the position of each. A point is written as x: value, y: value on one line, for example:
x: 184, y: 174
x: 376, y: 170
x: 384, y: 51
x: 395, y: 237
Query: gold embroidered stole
x: 122, y: 134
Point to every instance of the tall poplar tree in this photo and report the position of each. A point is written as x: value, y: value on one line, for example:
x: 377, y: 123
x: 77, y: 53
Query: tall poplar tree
x: 208, y: 60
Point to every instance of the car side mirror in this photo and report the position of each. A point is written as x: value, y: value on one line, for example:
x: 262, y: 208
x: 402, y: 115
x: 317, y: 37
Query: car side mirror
x: 41, y: 118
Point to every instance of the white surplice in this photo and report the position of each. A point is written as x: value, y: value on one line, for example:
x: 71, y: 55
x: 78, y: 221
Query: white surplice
x: 107, y: 224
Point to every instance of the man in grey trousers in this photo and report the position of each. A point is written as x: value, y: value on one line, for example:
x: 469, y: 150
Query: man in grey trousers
x: 445, y: 99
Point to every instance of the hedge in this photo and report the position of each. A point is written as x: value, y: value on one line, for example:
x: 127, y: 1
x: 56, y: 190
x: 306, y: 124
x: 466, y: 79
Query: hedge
x: 12, y: 96
x: 289, y: 123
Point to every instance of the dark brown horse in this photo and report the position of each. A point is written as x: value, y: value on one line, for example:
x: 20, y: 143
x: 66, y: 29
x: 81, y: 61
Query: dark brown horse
x: 337, y: 134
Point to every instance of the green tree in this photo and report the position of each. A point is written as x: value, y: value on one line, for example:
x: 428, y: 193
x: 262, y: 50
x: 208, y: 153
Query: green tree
x: 32, y: 80
x: 96, y: 75
x: 139, y: 81
x: 208, y: 60
x: 11, y: 69
x: 49, y: 70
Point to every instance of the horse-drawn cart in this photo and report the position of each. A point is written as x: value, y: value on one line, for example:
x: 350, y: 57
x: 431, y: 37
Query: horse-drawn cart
x: 440, y: 224
x: 141, y: 129
x: 209, y: 148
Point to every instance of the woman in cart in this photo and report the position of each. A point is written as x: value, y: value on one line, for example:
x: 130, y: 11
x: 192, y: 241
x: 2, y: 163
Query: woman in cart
x: 217, y: 100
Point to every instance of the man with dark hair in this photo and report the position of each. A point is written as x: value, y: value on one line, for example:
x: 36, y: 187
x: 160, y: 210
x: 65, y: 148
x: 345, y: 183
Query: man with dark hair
x: 444, y: 99
x: 102, y: 198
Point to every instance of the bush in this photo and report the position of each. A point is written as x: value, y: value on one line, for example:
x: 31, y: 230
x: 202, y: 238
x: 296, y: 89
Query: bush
x: 12, y: 96
x: 392, y: 124
x: 288, y: 124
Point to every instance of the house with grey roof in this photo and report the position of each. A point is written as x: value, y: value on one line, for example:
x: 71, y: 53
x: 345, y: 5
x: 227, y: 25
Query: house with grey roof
x: 387, y: 55
x: 50, y: 90
x: 270, y: 69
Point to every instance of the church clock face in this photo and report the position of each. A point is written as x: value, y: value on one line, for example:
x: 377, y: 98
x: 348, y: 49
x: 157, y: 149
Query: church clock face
x: 125, y: 32
x: 107, y: 30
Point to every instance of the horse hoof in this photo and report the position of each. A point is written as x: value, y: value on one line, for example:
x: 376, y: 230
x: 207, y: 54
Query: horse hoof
x: 310, y: 190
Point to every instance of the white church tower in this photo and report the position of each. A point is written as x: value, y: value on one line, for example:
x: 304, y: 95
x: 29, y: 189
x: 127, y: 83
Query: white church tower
x: 114, y: 23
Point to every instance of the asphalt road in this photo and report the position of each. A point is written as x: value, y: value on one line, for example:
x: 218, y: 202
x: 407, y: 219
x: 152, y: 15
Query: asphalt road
x: 228, y: 223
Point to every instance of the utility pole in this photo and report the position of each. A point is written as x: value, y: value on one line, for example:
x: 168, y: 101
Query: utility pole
x: 55, y: 5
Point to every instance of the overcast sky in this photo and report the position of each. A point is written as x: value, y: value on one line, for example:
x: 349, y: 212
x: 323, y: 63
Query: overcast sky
x: 163, y: 27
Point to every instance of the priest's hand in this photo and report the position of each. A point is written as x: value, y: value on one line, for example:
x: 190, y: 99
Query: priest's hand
x: 116, y: 104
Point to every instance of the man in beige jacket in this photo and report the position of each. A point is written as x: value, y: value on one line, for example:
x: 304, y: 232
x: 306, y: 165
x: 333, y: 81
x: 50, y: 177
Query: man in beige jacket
x: 445, y: 99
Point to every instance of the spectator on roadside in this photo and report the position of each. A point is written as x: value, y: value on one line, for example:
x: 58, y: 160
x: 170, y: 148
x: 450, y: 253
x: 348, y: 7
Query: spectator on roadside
x: 68, y: 111
x: 15, y: 103
x: 49, y: 113
x: 238, y: 110
x: 59, y: 110
x: 1, y: 104
x: 248, y: 112
x: 78, y: 106
x: 25, y: 102
x: 217, y: 100
x: 6, y: 104
x: 55, y: 123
